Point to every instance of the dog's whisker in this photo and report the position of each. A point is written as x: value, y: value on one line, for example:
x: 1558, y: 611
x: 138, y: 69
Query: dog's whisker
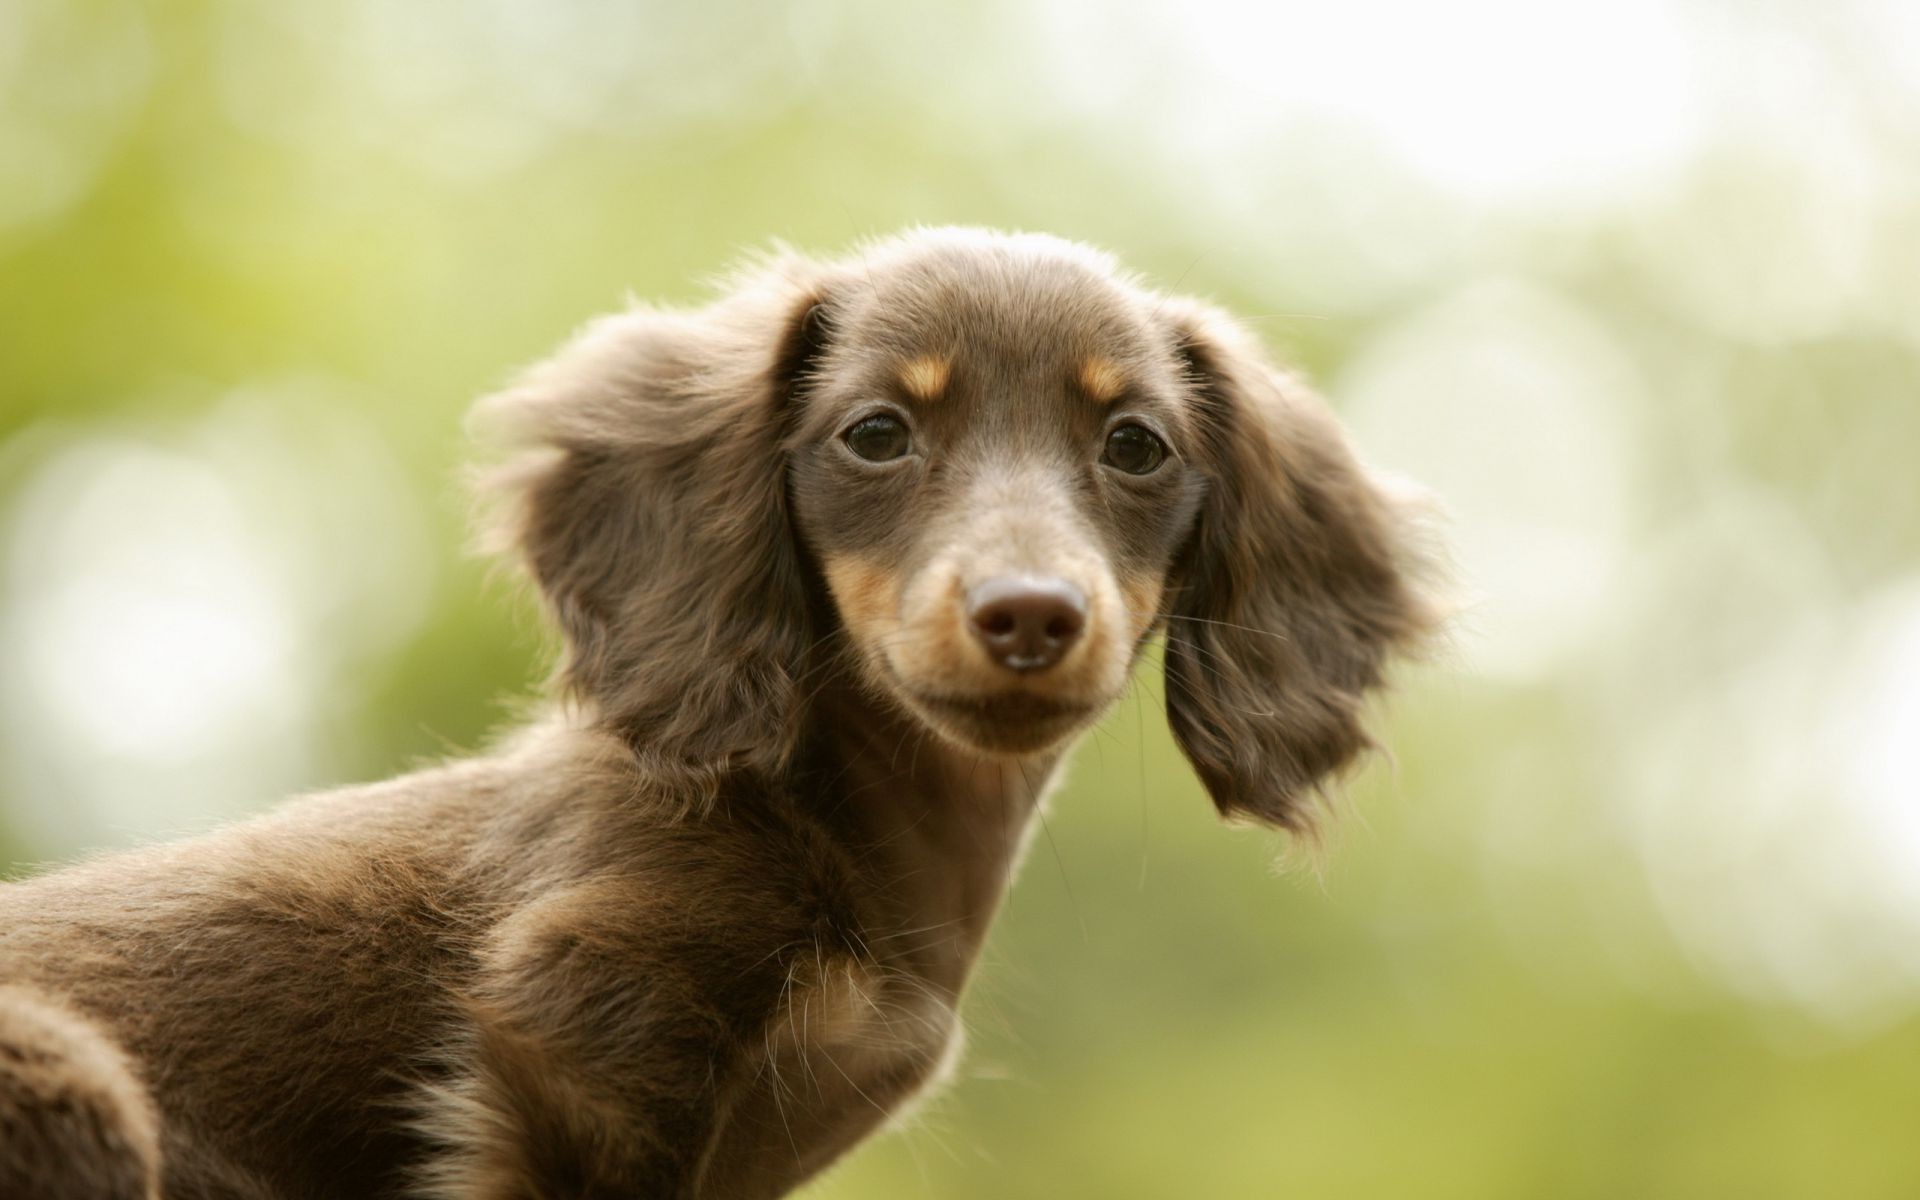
x: 1173, y: 616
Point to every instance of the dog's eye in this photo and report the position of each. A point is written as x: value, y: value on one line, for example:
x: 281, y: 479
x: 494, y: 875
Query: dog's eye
x: 879, y: 439
x: 1134, y: 449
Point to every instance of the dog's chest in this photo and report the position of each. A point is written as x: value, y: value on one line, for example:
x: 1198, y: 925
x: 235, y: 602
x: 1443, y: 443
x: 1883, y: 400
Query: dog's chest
x: 861, y: 1021
x: 850, y: 1044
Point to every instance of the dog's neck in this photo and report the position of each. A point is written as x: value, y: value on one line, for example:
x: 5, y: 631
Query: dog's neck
x: 944, y: 828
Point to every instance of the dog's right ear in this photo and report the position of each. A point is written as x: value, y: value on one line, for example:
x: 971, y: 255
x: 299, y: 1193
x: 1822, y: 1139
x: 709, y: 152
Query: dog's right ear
x: 650, y: 507
x: 1302, y: 579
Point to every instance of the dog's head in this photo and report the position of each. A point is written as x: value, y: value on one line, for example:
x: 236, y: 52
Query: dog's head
x: 980, y: 471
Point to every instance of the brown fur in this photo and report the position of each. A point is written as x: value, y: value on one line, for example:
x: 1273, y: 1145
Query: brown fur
x: 706, y: 926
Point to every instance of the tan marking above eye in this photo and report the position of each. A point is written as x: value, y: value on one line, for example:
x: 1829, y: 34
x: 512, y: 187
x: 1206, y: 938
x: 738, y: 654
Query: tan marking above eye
x: 1102, y: 380
x: 925, y: 378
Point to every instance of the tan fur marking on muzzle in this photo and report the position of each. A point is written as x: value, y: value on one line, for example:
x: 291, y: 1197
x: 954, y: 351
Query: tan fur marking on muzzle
x: 867, y: 593
x: 1141, y: 594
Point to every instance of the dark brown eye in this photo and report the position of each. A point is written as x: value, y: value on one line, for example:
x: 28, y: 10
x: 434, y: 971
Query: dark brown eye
x: 879, y: 438
x: 1134, y: 449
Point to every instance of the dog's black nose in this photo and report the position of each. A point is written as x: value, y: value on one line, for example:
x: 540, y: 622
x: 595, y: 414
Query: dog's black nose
x: 1026, y: 622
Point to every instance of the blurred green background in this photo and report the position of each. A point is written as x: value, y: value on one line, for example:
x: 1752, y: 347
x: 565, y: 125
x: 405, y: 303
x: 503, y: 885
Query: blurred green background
x: 1634, y: 910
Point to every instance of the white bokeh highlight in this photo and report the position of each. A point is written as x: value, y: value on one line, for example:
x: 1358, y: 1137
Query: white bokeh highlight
x: 179, y: 606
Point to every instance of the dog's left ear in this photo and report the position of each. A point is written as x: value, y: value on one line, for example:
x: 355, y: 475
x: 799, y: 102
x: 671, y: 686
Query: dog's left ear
x: 1297, y: 586
x: 651, y: 509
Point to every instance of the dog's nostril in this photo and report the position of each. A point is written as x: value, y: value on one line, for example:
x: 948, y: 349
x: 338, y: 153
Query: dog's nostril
x: 1026, y: 623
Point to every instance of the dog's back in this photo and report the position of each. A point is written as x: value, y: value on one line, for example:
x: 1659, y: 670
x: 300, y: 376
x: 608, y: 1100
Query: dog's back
x: 261, y: 977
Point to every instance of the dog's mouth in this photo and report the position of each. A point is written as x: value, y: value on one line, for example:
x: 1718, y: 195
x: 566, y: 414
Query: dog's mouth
x: 1005, y: 707
x: 1001, y: 722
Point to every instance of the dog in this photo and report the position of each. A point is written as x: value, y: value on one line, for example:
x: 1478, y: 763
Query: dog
x: 842, y: 564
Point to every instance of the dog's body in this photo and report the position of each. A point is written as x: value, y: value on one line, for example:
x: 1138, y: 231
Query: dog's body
x: 634, y: 1000
x: 844, y: 563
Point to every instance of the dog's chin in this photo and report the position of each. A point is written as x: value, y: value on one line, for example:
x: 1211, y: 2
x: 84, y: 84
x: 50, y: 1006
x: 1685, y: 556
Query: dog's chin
x: 1008, y: 724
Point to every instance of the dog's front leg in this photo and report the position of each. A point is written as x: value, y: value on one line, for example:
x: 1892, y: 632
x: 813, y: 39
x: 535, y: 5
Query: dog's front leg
x: 592, y: 1061
x: 534, y: 1119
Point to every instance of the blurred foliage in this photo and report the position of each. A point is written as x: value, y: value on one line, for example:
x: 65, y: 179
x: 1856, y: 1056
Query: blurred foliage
x: 1633, y: 910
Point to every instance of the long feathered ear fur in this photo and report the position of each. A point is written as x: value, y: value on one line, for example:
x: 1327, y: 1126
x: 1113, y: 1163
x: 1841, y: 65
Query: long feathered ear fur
x: 1297, y: 585
x: 650, y: 507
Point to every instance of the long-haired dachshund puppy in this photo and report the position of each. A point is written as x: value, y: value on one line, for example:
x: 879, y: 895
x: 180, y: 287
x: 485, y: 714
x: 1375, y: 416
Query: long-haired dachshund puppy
x: 844, y: 562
